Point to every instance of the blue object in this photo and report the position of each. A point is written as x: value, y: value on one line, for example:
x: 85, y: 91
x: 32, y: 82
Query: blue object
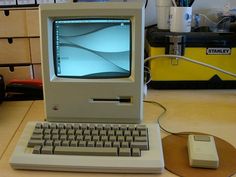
x: 181, y: 3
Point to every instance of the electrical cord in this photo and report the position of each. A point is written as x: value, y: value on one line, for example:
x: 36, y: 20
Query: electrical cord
x: 159, y: 104
x: 148, y: 71
x: 190, y: 60
x: 161, y: 116
x: 215, y: 23
x: 146, y: 3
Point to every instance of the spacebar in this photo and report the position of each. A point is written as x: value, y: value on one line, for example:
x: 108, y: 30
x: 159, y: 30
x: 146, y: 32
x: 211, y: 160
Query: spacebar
x: 93, y: 151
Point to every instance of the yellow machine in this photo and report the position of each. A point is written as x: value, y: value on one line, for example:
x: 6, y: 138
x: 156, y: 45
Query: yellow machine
x: 216, y: 49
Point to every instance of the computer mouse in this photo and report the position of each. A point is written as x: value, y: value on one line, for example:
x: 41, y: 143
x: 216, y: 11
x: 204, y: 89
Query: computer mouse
x: 202, y: 151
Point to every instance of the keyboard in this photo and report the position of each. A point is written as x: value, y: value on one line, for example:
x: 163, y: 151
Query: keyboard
x: 116, y: 148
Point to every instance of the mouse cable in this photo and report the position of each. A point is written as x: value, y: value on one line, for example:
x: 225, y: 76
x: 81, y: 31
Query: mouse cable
x: 161, y: 116
x: 190, y: 60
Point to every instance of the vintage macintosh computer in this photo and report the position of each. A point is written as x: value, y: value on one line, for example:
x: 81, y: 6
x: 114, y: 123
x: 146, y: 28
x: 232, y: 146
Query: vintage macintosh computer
x: 92, y: 57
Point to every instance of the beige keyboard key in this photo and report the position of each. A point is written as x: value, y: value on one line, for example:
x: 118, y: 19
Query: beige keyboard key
x: 91, y: 144
x: 115, y: 127
x: 62, y: 132
x: 68, y: 126
x: 111, y: 132
x: 116, y: 144
x: 80, y: 138
x: 38, y: 131
x: 94, y: 133
x: 37, y: 150
x: 120, y: 138
x: 140, y: 138
x: 87, y: 138
x: 71, y: 132
x: 124, y: 152
x: 82, y: 143
x: 87, y: 132
x: 92, y: 151
x: 131, y: 127
x: 119, y: 132
x: 65, y: 143
x: 143, y: 133
x: 47, y: 150
x: 99, y: 127
x: 53, y: 126
x: 104, y: 138
x: 91, y: 126
x: 107, y: 144
x: 95, y: 138
x: 124, y: 144
x: 38, y: 125
x: 76, y: 126
x: 47, y: 137
x: 49, y: 143
x: 129, y: 138
x: 112, y: 138
x: 33, y: 143
x: 136, y: 152
x: 47, y: 131
x: 74, y: 143
x: 99, y: 144
x: 63, y: 137
x: 79, y: 132
x: 71, y: 137
x: 127, y: 133
x: 57, y: 143
x: 103, y: 133
x: 135, y: 133
x: 123, y: 127
x: 107, y: 127
x: 55, y: 137
x: 141, y: 127
x: 37, y: 137
x: 84, y: 126
x: 45, y: 125
x: 140, y: 145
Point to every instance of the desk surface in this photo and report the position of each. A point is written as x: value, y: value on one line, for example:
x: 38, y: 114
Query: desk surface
x: 207, y: 111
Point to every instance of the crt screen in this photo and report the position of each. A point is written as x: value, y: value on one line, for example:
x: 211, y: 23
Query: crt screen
x: 92, y: 48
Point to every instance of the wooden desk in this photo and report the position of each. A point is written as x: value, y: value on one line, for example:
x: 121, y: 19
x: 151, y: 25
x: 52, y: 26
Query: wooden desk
x: 208, y: 111
x: 11, y: 116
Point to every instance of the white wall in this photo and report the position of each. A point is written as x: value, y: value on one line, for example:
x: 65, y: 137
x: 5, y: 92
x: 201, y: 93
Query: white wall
x: 233, y: 3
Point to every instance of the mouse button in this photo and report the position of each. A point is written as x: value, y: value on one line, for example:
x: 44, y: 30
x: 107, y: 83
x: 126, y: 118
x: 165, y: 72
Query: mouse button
x: 202, y: 138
